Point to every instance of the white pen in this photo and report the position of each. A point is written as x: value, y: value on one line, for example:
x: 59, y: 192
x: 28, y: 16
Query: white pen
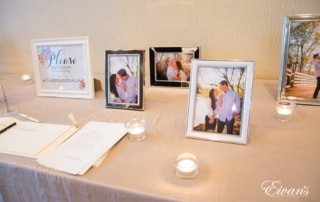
x: 29, y: 117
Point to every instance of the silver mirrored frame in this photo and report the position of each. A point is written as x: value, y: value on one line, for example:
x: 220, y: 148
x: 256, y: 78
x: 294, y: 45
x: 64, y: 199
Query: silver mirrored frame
x: 133, y: 62
x: 298, y: 85
x: 219, y: 66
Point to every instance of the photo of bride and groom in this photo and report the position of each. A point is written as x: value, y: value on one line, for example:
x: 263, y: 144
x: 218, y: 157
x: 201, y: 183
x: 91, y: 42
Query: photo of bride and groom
x: 123, y: 87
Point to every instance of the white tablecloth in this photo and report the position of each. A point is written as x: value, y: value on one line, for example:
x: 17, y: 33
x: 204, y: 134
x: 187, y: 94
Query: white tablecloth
x: 143, y: 171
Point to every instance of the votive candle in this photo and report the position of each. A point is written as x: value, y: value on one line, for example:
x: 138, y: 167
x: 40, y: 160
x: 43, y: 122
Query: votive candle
x: 136, y: 129
x: 186, y: 165
x: 284, y: 110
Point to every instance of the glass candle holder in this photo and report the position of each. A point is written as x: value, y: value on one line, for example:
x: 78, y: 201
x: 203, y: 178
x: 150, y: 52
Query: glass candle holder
x: 136, y: 129
x: 284, y: 110
x: 186, y: 166
x: 3, y: 101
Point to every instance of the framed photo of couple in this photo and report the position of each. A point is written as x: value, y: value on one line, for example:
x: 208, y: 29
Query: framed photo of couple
x: 300, y: 73
x: 171, y: 66
x: 219, y: 100
x: 124, y: 79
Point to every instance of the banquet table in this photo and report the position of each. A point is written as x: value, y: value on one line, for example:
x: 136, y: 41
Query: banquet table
x: 285, y: 155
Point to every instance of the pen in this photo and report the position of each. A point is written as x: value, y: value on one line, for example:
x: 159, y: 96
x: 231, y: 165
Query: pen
x: 6, y: 128
x: 29, y: 117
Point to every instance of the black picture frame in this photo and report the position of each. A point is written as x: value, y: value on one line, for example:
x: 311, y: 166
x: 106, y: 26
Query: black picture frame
x: 131, y: 95
x: 158, y: 66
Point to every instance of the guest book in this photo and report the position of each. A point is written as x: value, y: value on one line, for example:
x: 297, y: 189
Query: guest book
x: 30, y: 139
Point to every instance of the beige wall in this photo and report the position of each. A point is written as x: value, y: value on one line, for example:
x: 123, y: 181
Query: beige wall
x: 223, y: 29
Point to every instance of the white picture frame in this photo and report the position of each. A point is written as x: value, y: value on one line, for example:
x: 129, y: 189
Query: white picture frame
x: 205, y: 76
x: 62, y: 67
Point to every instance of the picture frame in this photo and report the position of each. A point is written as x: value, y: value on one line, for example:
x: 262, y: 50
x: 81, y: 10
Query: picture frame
x: 208, y: 103
x: 300, y: 43
x: 178, y: 73
x: 124, y: 79
x: 62, y: 67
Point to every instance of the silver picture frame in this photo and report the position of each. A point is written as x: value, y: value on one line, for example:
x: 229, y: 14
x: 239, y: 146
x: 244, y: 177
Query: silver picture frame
x: 225, y: 81
x: 300, y: 45
x: 124, y: 79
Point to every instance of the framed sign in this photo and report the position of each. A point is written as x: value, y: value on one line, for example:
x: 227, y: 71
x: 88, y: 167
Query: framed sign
x: 124, y: 74
x: 171, y: 66
x: 300, y: 73
x: 219, y: 100
x: 62, y: 67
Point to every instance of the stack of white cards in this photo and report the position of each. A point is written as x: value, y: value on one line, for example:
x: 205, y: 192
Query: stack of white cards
x: 83, y: 149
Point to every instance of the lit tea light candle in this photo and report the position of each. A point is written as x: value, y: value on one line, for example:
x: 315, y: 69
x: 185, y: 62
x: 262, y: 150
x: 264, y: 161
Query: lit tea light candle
x: 284, y: 110
x: 186, y: 165
x: 26, y: 78
x: 136, y: 129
